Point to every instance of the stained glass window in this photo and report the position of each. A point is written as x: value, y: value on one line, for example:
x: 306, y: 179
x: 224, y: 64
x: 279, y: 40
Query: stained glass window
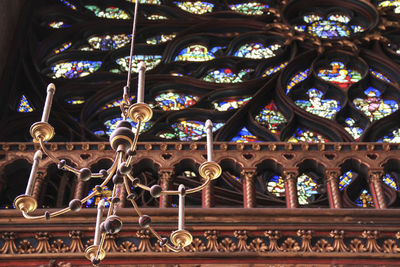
x: 62, y: 48
x: 151, y: 2
x: 357, y: 28
x: 391, y: 3
x: 74, y: 69
x: 24, y: 105
x: 109, y: 41
x: 230, y: 104
x: 326, y: 108
x: 306, y: 189
x: 339, y: 17
x: 160, y: 39
x: 58, y: 24
x: 151, y: 62
x: 328, y: 29
x: 115, y: 103
x: 276, y: 186
x: 109, y: 12
x: 75, y: 100
x: 250, y: 8
x: 245, y: 136
x: 302, y: 135
x: 195, y: 53
x: 340, y: 75
x: 392, y: 137
x: 68, y: 4
x: 106, y: 194
x: 379, y: 76
x: 390, y: 181
x: 365, y: 200
x: 297, y: 78
x: 155, y: 17
x: 190, y: 130
x: 175, y: 101
x: 345, y: 180
x: 197, y: 7
x: 310, y: 18
x: 226, y: 76
x: 271, y: 118
x: 352, y: 129
x: 257, y: 51
x: 275, y: 69
x: 111, y: 125
x: 373, y: 106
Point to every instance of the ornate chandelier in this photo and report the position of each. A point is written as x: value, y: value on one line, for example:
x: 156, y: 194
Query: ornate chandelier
x: 123, y: 141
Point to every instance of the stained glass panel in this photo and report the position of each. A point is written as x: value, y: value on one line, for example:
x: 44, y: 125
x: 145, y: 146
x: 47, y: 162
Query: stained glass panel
x: 109, y: 12
x: 339, y: 17
x: 192, y: 130
x: 353, y: 130
x: 115, y: 103
x: 160, y: 39
x: 151, y: 62
x: 197, y: 7
x: 250, y: 8
x: 379, y: 76
x: 62, y: 48
x: 155, y: 17
x: 150, y: 2
x: 365, y: 200
x: 326, y: 108
x: 393, y: 137
x: 109, y: 41
x: 271, y: 118
x: 340, y: 75
x: 390, y: 181
x: 75, y: 100
x: 310, y: 18
x: 226, y: 76
x: 297, y: 78
x: 276, y: 186
x: 306, y: 189
x: 328, y: 29
x: 357, y: 28
x: 301, y: 135
x: 245, y: 136
x: 275, y: 69
x: 111, y: 125
x: 257, y: 51
x: 195, y: 53
x: 230, y: 104
x: 58, y: 24
x: 106, y: 194
x: 345, y: 180
x: 175, y: 101
x: 68, y: 4
x: 391, y: 3
x: 74, y: 69
x: 373, y: 106
x: 24, y: 105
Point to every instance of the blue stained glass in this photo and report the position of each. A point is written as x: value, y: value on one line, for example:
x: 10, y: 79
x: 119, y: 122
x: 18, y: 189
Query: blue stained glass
x: 340, y: 75
x: 195, y: 53
x: 190, y: 130
x: 58, y: 24
x: 115, y: 103
x: 310, y: 18
x: 216, y: 49
x: 365, y: 200
x: 306, y: 189
x: 345, y: 180
x: 109, y: 41
x: 68, y: 4
x: 226, y: 76
x: 326, y: 108
x: 276, y: 186
x: 390, y: 181
x: 62, y: 48
x: 75, y: 100
x: 230, y: 104
x: 24, y: 105
x: 74, y: 69
x: 353, y: 130
x: 111, y: 125
x: 271, y: 118
x: 250, y: 8
x: 380, y: 76
x: 275, y: 69
x: 329, y: 29
x: 300, y: 28
x: 373, y: 106
x: 297, y: 78
x: 302, y: 135
x: 197, y: 7
x: 109, y: 12
x: 257, y: 51
x: 105, y: 194
x: 357, y: 28
x: 151, y: 62
x: 245, y: 136
x: 175, y: 101
x: 392, y: 137
x: 160, y: 39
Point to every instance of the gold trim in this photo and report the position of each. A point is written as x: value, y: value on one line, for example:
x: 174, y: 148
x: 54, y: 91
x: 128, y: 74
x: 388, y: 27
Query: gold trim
x: 91, y: 252
x: 140, y: 112
x: 210, y: 170
x: 25, y: 203
x: 181, y: 238
x: 41, y: 130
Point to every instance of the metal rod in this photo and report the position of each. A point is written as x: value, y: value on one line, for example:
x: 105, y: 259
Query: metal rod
x: 32, y: 177
x: 100, y: 209
x: 181, y: 218
x: 128, y: 81
x: 51, y: 89
x: 209, y: 127
x: 141, y: 79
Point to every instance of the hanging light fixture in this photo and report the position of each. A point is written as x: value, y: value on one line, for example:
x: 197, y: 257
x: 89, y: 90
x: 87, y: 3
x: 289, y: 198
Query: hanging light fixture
x: 123, y: 141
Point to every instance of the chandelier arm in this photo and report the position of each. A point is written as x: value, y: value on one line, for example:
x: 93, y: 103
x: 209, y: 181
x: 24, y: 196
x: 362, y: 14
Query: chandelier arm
x: 134, y: 144
x: 46, y: 151
x: 169, y: 246
x: 128, y: 191
x: 100, y: 248
x: 128, y: 80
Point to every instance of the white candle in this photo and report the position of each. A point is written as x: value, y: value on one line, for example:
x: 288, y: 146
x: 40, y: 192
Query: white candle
x: 97, y: 234
x: 51, y: 89
x: 32, y: 177
x: 140, y: 90
x: 209, y: 127
x: 181, y: 214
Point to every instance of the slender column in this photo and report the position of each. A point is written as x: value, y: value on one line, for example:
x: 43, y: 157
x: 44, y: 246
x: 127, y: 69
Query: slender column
x: 165, y: 182
x: 290, y: 177
x: 249, y: 192
x: 80, y: 186
x: 41, y: 174
x: 208, y: 196
x: 332, y: 184
x: 375, y: 180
